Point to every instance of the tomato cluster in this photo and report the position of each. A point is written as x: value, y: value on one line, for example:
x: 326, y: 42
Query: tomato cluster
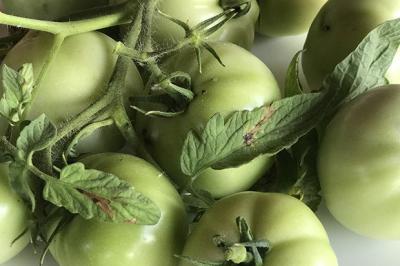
x: 357, y: 160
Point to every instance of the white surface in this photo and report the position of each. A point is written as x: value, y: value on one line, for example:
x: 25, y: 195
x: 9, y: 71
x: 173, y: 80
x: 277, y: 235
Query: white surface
x: 351, y: 249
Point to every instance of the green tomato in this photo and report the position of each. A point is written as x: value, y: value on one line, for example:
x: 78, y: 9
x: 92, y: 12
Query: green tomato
x: 13, y: 219
x: 338, y: 29
x: 239, y: 30
x: 244, y: 84
x: 93, y: 243
x: 287, y: 17
x: 359, y: 165
x: 48, y: 9
x: 296, y: 235
x: 76, y: 79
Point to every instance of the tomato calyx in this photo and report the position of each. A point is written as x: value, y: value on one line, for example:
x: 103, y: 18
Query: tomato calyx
x: 248, y: 251
x: 176, y: 94
x: 173, y: 91
x: 243, y: 6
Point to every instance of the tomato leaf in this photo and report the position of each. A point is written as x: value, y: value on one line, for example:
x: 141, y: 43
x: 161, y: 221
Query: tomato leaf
x: 247, y: 134
x: 90, y: 193
x: 365, y: 68
x: 95, y: 194
x: 17, y: 87
x: 20, y: 179
x: 296, y: 172
x: 35, y: 137
x: 198, y: 199
x: 292, y: 81
x: 270, y: 129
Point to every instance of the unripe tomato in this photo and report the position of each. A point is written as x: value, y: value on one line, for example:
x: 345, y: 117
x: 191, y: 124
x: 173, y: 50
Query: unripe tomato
x: 243, y: 84
x: 48, y: 9
x: 287, y: 17
x: 296, y: 236
x: 78, y: 77
x: 338, y: 29
x: 13, y: 219
x: 93, y: 243
x: 359, y: 164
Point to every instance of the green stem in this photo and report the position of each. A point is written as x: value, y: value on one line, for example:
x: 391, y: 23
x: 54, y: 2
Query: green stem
x: 107, y: 102
x: 148, y: 16
x: 125, y: 126
x: 46, y: 159
x: 125, y: 51
x: 153, y: 67
x: 34, y: 24
x: 179, y: 46
x: 132, y: 37
x: 120, y: 116
x: 145, y: 57
x: 37, y: 172
x: 117, y: 16
x: 85, y: 117
x: 104, y: 104
x: 85, y: 132
x: 7, y: 146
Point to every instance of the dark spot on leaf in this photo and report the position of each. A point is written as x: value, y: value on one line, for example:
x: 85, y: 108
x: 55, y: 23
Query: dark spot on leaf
x: 102, y: 203
x: 250, y: 136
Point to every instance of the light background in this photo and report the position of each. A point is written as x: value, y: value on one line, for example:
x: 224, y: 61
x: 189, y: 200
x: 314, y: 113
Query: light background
x: 351, y: 249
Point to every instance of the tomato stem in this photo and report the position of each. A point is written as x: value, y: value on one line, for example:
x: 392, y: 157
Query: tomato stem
x: 113, y: 96
x: 103, y: 105
x: 117, y: 16
x: 7, y: 146
x: 148, y: 15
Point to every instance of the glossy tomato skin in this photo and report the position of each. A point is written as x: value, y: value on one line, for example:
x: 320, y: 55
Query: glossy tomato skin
x: 337, y: 30
x: 359, y: 164
x: 296, y: 235
x: 13, y: 219
x: 239, y: 30
x: 243, y: 84
x: 287, y: 17
x: 48, y: 9
x: 77, y: 78
x: 94, y: 243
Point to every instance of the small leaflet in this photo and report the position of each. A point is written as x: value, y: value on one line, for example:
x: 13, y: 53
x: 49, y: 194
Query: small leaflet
x: 96, y: 194
x: 17, y: 92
